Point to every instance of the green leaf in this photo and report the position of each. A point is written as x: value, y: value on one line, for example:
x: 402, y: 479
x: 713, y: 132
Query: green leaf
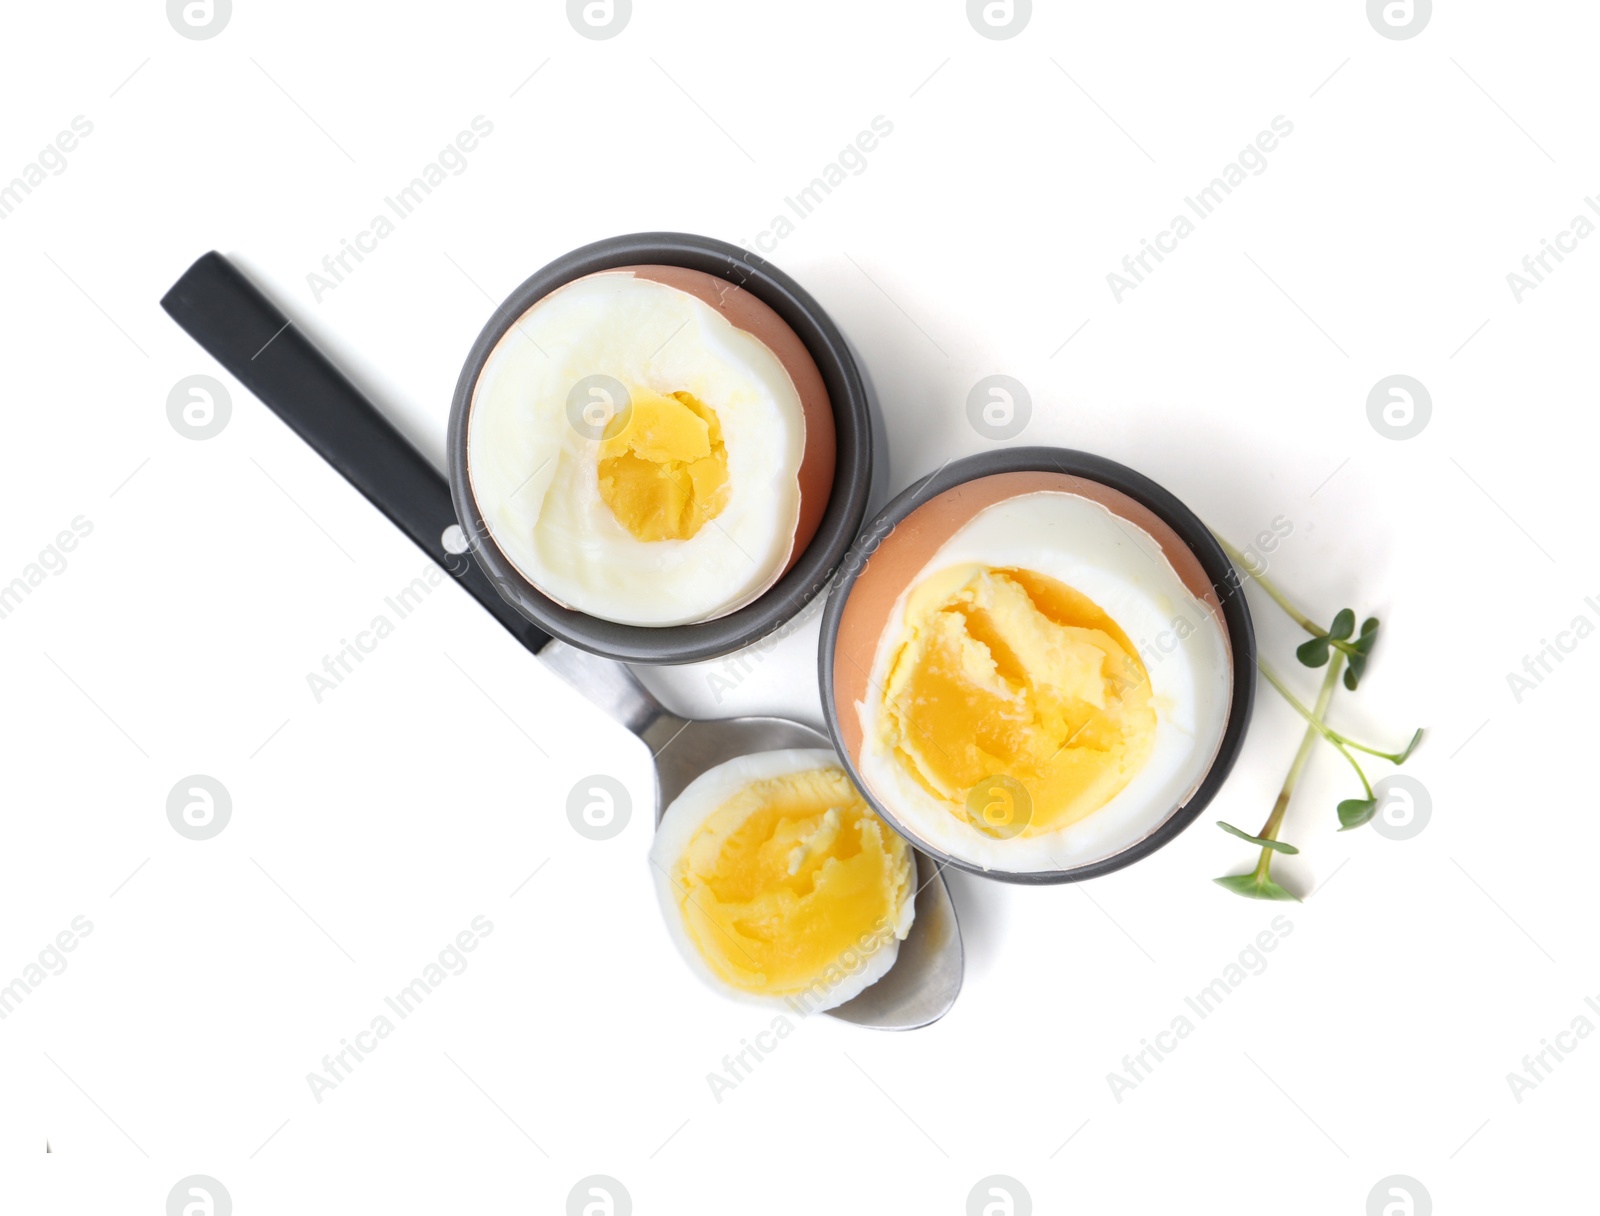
x: 1363, y: 644
x: 1353, y: 812
x: 1313, y: 653
x: 1257, y: 840
x: 1352, y: 673
x: 1370, y: 625
x: 1344, y: 624
x: 1252, y: 887
x: 1410, y: 747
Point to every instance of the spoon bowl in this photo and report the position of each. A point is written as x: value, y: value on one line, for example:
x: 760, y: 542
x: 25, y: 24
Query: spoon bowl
x: 926, y: 978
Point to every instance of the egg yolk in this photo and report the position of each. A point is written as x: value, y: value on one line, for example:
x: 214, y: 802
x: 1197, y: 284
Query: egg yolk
x: 791, y: 882
x: 663, y: 466
x: 1015, y: 700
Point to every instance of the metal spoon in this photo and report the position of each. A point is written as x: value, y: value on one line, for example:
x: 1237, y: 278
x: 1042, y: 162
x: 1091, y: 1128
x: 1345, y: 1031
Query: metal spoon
x: 926, y: 977
x: 246, y: 333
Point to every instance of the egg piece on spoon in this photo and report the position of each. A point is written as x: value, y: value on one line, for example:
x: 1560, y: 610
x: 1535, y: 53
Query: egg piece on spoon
x: 650, y: 445
x: 779, y: 885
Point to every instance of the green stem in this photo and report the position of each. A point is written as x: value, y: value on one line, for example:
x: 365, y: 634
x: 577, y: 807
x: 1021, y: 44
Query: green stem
x: 1269, y: 830
x: 1299, y: 618
x: 1391, y: 757
x: 1332, y: 736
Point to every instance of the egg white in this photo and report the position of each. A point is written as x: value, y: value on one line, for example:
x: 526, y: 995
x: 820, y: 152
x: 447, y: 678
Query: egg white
x: 684, y: 817
x: 534, y: 476
x: 1122, y: 569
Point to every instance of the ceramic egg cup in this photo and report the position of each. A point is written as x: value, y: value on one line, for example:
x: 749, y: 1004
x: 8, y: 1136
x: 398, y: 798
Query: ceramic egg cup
x: 874, y: 576
x: 847, y: 498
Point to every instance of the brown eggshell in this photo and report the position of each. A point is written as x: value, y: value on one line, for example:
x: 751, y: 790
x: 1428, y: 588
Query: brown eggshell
x: 902, y: 554
x: 744, y: 311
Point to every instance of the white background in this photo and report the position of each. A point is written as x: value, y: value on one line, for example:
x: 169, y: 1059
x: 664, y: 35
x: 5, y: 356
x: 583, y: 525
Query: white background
x: 369, y: 829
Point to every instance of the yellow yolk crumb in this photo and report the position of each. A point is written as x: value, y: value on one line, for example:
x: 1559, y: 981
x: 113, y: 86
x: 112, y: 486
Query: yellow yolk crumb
x: 791, y: 877
x: 1009, y: 673
x: 663, y: 466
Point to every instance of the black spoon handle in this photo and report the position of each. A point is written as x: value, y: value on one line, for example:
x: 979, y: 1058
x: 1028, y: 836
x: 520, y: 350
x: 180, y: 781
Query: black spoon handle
x: 244, y: 331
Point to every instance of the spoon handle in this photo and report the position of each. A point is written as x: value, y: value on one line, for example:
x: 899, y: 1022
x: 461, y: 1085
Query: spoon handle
x: 245, y: 332
x: 267, y: 353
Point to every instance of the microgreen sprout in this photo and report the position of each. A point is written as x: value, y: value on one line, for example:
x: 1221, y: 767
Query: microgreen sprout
x: 1339, y: 648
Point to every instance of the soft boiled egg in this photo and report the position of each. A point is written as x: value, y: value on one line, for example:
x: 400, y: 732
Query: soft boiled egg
x: 778, y: 883
x: 1032, y: 673
x: 650, y: 445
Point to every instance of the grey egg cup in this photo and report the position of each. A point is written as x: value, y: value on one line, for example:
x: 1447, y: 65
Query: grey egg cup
x: 1190, y: 530
x: 847, y: 502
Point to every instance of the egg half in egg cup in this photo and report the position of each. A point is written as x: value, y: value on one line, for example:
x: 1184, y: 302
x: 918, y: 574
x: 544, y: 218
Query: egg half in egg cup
x: 660, y: 448
x: 1038, y: 665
